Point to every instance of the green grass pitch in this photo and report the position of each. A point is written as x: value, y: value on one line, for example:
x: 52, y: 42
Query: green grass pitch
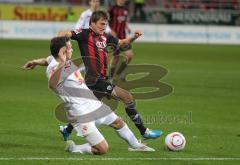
x: 204, y: 107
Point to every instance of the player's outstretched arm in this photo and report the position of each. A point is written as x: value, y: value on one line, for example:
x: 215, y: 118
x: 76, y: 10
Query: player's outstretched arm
x: 129, y: 40
x: 33, y: 63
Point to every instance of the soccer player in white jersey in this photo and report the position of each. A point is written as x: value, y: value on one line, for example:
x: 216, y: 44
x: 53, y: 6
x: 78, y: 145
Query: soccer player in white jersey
x: 84, y: 19
x: 63, y: 76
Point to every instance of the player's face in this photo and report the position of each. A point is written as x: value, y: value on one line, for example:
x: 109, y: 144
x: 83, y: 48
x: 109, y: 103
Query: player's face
x: 94, y: 4
x: 69, y: 50
x: 121, y: 2
x: 100, y: 26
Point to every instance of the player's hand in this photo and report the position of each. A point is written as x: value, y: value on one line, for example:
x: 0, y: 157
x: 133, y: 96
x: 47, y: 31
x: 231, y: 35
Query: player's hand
x: 62, y: 54
x: 64, y: 33
x: 61, y: 33
x: 29, y: 65
x: 137, y: 34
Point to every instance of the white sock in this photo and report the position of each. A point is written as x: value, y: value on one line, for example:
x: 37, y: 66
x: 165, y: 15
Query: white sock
x: 126, y: 134
x: 84, y: 148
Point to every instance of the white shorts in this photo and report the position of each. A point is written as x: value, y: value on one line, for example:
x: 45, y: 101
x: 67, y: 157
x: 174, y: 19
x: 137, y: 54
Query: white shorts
x: 89, y: 130
x: 107, y: 120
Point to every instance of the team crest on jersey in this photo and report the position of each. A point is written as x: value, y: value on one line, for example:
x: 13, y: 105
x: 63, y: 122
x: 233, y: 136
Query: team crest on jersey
x: 125, y: 12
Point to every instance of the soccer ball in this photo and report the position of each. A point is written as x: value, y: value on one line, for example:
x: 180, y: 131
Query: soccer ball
x: 175, y: 141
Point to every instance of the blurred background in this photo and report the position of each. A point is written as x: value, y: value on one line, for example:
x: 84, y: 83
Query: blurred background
x: 197, y: 21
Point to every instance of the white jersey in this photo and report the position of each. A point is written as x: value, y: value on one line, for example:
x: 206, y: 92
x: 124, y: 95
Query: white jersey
x: 84, y: 20
x: 72, y: 89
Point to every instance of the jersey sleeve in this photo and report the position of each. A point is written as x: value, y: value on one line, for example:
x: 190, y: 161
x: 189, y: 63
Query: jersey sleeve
x: 50, y: 70
x: 113, y: 43
x: 49, y: 59
x: 112, y: 40
x: 64, y: 71
x: 77, y: 34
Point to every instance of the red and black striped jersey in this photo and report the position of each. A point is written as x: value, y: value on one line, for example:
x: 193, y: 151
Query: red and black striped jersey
x: 94, y: 52
x: 118, y: 20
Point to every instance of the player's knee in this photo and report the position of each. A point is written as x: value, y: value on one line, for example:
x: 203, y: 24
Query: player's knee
x: 123, y: 95
x: 129, y: 57
x: 128, y: 97
x: 101, y: 148
x: 102, y: 151
x: 118, y: 123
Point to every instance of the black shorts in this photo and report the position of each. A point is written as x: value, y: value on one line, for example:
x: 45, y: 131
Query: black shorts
x: 102, y: 88
x: 123, y: 48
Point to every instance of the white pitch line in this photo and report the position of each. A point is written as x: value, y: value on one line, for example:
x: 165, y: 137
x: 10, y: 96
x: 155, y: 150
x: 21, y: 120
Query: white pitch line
x: 120, y: 158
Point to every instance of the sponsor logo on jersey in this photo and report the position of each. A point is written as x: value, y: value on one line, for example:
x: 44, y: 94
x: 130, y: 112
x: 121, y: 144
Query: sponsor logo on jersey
x: 121, y: 18
x: 101, y: 45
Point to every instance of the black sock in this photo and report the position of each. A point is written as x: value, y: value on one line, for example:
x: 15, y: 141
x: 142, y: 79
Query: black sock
x: 69, y: 128
x: 135, y: 117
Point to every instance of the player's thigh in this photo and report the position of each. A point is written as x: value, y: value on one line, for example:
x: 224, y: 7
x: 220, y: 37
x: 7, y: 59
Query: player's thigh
x: 122, y: 94
x: 108, y: 119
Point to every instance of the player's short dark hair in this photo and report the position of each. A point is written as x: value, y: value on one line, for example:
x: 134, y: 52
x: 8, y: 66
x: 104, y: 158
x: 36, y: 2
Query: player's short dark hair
x: 57, y: 43
x: 97, y: 15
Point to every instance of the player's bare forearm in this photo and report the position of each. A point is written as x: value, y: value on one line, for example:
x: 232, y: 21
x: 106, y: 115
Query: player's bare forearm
x: 131, y: 39
x: 33, y: 63
x: 41, y: 61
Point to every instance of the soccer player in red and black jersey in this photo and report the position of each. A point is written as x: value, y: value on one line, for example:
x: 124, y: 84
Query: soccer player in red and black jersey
x: 93, y: 44
x: 118, y: 24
